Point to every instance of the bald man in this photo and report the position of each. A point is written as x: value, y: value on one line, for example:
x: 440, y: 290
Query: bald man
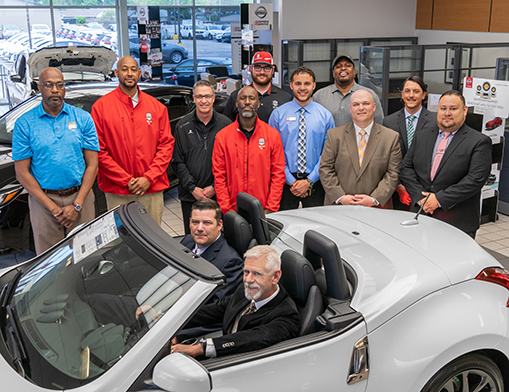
x: 361, y: 159
x: 136, y: 143
x: 54, y: 148
x: 248, y: 157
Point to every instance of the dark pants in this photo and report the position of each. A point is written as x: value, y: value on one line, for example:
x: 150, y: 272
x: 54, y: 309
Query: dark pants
x: 186, y: 214
x: 289, y: 201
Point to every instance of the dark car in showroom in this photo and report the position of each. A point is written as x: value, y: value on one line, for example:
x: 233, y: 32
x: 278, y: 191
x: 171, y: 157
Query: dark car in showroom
x: 15, y: 233
x: 183, y: 74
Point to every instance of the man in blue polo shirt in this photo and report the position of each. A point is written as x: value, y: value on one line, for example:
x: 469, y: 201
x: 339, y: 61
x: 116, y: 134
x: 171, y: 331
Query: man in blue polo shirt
x: 55, y: 147
x: 303, y: 125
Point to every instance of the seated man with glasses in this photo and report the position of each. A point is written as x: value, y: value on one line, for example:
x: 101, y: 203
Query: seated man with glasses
x: 270, y: 96
x: 194, y: 136
x: 55, y: 147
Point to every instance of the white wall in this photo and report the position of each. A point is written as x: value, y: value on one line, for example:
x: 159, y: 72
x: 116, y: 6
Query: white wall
x: 319, y: 19
x: 443, y: 36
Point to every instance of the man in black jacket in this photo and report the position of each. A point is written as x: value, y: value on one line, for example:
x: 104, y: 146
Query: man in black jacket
x: 194, y: 136
x: 259, y: 313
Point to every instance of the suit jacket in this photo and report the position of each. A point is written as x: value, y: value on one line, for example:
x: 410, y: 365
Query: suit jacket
x: 462, y: 173
x: 341, y: 174
x: 274, y: 322
x: 226, y: 259
x: 397, y: 122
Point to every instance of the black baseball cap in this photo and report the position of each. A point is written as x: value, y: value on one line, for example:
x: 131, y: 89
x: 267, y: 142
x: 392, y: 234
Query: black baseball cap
x: 342, y: 57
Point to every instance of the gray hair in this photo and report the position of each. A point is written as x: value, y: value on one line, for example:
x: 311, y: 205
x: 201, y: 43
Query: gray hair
x: 273, y: 260
x: 202, y: 83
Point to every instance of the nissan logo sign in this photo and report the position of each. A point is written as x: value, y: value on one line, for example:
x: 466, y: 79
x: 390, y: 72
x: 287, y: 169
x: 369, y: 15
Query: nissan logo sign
x: 261, y: 12
x: 142, y: 11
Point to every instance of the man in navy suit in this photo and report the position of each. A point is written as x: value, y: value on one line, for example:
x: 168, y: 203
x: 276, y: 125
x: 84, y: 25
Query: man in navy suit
x: 413, y: 118
x: 259, y: 314
x: 207, y: 241
x: 451, y: 164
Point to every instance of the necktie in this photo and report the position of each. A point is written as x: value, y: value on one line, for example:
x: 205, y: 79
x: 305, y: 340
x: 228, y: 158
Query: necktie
x: 251, y: 308
x: 362, y: 146
x: 439, y: 154
x: 301, y: 154
x: 410, y: 129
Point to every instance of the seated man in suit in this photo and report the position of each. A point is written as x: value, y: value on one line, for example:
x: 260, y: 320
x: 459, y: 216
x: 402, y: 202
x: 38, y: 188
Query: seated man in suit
x: 450, y: 164
x: 411, y: 119
x: 259, y: 313
x: 360, y: 160
x: 207, y: 241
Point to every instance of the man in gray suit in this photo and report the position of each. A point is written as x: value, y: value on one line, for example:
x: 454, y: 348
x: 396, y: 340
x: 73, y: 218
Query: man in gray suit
x: 360, y: 160
x: 413, y: 118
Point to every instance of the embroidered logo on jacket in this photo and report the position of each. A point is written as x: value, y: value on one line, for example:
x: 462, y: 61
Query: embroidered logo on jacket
x: 149, y: 118
x: 261, y: 143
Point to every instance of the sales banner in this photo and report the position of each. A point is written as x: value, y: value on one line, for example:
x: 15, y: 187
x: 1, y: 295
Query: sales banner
x: 487, y: 95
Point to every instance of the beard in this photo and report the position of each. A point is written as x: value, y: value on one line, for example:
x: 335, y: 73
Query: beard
x: 248, y: 113
x: 252, y: 297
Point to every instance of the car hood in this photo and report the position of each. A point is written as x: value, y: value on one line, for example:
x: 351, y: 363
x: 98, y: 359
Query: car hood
x: 96, y: 59
x: 396, y: 265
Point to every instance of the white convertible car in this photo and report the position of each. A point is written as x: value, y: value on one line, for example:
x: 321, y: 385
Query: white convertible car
x: 387, y: 303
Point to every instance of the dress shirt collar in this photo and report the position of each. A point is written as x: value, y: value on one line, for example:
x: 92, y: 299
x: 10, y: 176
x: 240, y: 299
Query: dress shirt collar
x: 126, y: 98
x: 136, y: 98
x: 198, y: 250
x: 367, y: 129
x: 259, y: 304
x: 417, y: 115
x: 297, y: 106
x: 41, y: 112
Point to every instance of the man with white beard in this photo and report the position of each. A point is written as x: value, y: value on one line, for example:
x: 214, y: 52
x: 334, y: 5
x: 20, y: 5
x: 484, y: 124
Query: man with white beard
x: 259, y: 314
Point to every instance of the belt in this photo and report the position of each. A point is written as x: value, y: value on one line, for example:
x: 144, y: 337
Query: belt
x: 300, y: 176
x: 63, y: 192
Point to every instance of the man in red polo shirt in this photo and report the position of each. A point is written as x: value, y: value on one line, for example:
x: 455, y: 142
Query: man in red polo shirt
x: 248, y: 157
x: 135, y: 141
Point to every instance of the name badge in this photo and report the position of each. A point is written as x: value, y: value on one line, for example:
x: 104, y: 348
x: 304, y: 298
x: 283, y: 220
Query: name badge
x: 72, y: 125
x: 291, y: 118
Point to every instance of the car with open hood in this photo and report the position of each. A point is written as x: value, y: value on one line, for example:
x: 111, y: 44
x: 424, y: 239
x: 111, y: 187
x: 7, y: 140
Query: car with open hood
x: 387, y: 303
x: 79, y: 64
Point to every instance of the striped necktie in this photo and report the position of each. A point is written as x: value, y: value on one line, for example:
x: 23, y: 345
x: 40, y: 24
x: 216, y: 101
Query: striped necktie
x: 442, y: 146
x: 301, y: 153
x: 361, y: 148
x: 410, y: 129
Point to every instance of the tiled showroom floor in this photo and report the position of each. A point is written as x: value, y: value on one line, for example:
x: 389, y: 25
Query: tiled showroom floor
x: 494, y: 237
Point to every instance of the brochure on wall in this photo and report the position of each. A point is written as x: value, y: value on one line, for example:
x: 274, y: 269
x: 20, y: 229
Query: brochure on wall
x: 493, y: 126
x: 487, y: 95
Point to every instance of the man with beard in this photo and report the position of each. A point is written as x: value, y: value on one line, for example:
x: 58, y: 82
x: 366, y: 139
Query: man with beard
x: 270, y: 96
x: 303, y: 125
x: 194, y: 135
x: 248, y: 157
x: 336, y: 97
x: 259, y: 314
x: 450, y: 163
x: 54, y: 148
x: 413, y: 118
x: 136, y: 143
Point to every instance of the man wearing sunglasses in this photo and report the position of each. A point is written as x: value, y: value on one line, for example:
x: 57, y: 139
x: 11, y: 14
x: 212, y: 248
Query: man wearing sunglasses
x: 270, y: 96
x: 55, y: 147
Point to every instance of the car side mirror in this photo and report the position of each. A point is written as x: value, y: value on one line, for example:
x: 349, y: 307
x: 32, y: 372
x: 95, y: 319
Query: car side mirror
x: 179, y: 372
x: 16, y: 78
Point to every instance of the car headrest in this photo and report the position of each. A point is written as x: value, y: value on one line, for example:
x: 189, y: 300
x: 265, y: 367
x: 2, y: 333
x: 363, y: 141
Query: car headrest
x: 297, y: 276
x: 251, y: 209
x: 238, y: 232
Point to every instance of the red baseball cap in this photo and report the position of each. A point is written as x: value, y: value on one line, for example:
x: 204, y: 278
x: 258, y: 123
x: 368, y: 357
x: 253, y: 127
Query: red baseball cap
x: 262, y: 58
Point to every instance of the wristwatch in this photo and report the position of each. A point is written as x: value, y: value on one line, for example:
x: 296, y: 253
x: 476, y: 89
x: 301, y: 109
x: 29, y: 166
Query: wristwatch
x: 203, y: 343
x: 77, y: 207
x: 375, y: 202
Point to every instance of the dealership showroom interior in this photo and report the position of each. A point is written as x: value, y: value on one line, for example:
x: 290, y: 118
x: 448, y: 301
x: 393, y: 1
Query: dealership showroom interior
x: 360, y: 239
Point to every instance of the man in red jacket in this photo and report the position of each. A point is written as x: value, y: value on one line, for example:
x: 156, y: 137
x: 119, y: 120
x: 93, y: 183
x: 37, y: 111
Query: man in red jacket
x: 135, y: 141
x: 248, y: 157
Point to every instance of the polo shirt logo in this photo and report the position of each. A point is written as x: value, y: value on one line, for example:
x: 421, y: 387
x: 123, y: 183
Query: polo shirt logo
x: 72, y: 125
x: 275, y: 104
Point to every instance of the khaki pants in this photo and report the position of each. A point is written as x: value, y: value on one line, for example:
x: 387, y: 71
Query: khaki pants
x: 47, y: 230
x: 153, y: 202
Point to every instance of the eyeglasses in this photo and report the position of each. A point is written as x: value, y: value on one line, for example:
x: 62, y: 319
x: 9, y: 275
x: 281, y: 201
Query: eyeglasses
x: 49, y: 86
x: 200, y: 97
x: 259, y: 68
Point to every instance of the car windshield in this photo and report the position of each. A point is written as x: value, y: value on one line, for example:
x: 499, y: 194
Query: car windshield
x: 81, y: 307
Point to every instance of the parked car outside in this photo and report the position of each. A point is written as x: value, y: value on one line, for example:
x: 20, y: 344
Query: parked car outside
x: 384, y: 307
x: 40, y: 29
x: 211, y: 30
x: 172, y: 53
x: 8, y: 30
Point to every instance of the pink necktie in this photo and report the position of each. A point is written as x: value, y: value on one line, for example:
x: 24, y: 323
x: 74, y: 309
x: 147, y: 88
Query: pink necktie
x: 439, y: 154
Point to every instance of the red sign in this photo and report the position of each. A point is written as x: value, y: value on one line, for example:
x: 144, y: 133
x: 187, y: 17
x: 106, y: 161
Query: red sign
x: 144, y: 48
x: 469, y: 83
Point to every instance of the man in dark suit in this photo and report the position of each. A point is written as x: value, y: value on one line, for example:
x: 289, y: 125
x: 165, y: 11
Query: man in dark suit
x: 413, y: 118
x: 360, y: 160
x: 451, y: 164
x: 259, y: 313
x: 207, y: 241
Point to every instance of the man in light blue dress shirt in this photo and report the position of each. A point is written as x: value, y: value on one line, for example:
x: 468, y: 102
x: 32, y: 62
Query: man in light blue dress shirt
x: 303, y: 125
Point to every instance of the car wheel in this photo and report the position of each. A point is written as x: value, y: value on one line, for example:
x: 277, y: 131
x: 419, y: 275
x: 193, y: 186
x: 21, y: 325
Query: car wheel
x: 469, y: 373
x: 176, y: 57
